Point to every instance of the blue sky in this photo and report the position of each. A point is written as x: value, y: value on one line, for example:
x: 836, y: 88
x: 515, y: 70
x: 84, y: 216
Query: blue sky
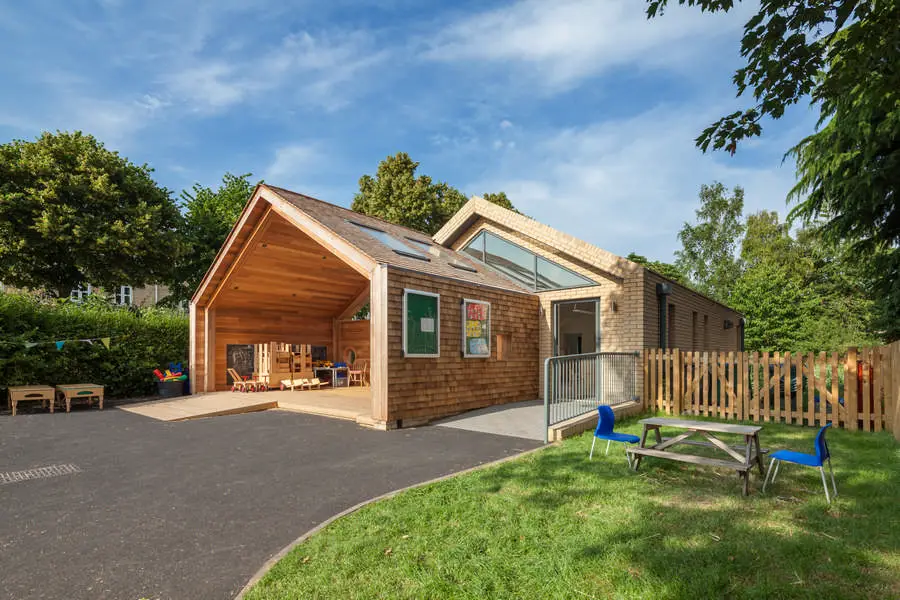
x: 582, y: 111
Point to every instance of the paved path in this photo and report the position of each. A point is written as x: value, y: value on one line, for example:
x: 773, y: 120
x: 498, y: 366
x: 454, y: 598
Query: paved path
x: 191, y: 510
x: 517, y: 419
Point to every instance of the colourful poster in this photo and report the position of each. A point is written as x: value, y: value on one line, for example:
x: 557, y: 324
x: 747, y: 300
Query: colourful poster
x: 476, y: 329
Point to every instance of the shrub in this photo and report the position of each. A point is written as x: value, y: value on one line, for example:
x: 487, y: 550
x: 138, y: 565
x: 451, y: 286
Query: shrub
x: 142, y: 339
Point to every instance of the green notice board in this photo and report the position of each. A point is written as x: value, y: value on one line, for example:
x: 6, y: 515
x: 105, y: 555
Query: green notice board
x: 421, y: 331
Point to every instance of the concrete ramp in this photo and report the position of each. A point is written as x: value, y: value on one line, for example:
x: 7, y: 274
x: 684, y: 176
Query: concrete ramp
x: 516, y: 419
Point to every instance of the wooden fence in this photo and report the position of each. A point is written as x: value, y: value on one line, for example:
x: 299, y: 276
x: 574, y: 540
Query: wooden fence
x: 857, y: 390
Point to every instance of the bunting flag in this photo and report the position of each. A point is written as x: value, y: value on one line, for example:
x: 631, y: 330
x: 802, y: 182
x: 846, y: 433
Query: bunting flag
x: 106, y: 341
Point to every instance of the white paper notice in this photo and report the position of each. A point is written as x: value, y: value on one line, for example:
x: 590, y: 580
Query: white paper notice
x: 426, y: 325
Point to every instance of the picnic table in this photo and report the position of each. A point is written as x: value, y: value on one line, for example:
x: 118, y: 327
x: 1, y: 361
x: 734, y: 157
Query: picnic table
x: 741, y: 458
x: 19, y: 393
x: 79, y: 391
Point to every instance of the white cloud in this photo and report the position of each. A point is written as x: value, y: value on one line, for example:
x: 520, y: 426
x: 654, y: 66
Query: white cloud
x: 505, y: 124
x: 291, y: 165
x: 559, y: 43
x: 628, y: 184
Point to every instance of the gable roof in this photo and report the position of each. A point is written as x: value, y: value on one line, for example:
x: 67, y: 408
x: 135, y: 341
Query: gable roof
x: 343, y: 222
x: 555, y: 241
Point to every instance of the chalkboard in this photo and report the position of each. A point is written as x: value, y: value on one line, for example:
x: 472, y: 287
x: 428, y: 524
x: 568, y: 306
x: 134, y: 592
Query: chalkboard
x: 476, y: 329
x: 240, y: 358
x: 421, y: 330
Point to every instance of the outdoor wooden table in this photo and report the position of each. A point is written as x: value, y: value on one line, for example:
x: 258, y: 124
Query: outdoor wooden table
x: 18, y: 393
x: 740, y: 458
x: 79, y: 391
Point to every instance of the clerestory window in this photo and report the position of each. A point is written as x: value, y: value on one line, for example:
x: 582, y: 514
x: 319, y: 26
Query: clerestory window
x: 521, y: 265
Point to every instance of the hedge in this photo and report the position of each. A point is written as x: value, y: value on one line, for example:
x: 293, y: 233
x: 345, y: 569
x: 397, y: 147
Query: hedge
x: 142, y: 339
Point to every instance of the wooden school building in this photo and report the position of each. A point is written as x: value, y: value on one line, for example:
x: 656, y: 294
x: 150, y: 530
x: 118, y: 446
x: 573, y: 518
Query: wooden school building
x: 458, y: 321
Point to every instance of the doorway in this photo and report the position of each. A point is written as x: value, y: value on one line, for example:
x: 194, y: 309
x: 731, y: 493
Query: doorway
x: 576, y: 327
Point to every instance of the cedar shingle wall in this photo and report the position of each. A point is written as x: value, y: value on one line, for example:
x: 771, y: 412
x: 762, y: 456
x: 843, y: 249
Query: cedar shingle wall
x: 427, y: 388
x: 686, y: 335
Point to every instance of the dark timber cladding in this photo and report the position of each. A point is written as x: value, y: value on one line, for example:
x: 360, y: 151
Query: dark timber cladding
x: 420, y: 389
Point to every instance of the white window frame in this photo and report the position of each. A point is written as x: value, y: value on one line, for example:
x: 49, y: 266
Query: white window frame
x: 120, y: 295
x: 437, y: 323
x: 490, y: 320
x: 77, y: 295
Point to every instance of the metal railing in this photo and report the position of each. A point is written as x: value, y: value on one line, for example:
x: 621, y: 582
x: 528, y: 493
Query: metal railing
x: 577, y: 384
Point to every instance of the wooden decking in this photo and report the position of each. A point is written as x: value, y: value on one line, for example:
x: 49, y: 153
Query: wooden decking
x: 347, y: 403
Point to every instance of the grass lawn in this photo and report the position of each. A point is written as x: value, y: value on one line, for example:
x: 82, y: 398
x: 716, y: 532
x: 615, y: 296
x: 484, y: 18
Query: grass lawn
x: 553, y: 525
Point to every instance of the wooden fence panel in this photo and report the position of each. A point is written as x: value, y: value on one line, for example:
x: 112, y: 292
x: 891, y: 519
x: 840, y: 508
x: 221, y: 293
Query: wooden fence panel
x: 866, y: 398
x: 878, y: 385
x: 776, y: 395
x: 796, y: 388
x: 834, y: 399
x: 851, y: 400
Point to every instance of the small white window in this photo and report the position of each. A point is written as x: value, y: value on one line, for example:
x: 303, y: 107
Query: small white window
x: 80, y: 293
x: 124, y: 295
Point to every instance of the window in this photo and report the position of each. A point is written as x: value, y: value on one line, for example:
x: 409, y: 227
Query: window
x: 576, y: 327
x: 391, y: 242
x: 421, y: 324
x: 124, y: 295
x: 80, y: 293
x: 476, y: 329
x: 521, y: 265
x: 475, y: 248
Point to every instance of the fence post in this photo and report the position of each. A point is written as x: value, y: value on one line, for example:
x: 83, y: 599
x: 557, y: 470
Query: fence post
x: 678, y: 375
x: 850, y: 395
x: 895, y: 385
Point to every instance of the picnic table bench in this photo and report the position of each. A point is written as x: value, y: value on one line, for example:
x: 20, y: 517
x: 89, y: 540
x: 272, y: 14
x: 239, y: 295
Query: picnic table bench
x: 741, y: 458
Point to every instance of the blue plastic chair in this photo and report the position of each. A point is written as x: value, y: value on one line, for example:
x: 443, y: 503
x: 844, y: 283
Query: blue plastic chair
x: 808, y: 460
x: 604, y: 431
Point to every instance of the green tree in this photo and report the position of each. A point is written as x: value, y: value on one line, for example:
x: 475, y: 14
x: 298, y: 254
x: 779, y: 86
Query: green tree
x: 73, y: 212
x: 708, y: 253
x: 398, y: 195
x: 209, y: 215
x: 665, y: 269
x: 843, y: 56
x: 500, y: 199
x: 775, y: 305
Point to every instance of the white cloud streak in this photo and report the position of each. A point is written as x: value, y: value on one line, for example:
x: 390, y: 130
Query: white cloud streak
x: 557, y: 44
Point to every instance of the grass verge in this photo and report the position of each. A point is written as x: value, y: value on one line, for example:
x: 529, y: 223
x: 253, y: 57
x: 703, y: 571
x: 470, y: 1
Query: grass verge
x: 553, y: 525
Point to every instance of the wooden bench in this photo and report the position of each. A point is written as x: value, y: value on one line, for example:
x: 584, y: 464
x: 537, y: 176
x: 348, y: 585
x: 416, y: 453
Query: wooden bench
x: 20, y: 393
x: 79, y: 391
x: 692, y: 458
x: 711, y: 445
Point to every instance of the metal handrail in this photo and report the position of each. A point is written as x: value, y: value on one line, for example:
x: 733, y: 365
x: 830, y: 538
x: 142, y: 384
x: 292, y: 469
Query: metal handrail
x: 576, y: 384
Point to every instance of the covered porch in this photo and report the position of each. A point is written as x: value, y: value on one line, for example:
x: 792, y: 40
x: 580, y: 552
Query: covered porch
x: 280, y: 279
